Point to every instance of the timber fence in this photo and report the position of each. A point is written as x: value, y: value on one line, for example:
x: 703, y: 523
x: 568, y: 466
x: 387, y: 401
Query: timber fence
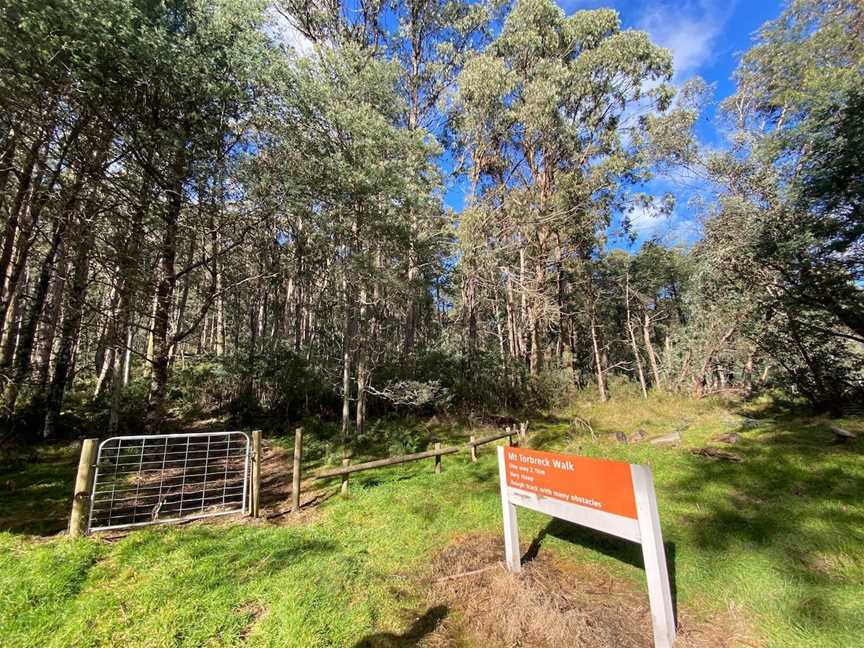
x: 201, y: 458
x: 513, y: 435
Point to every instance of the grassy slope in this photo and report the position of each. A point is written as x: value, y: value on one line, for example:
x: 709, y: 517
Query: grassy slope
x: 777, y: 537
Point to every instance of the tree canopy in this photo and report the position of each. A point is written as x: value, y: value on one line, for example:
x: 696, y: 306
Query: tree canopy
x: 239, y: 207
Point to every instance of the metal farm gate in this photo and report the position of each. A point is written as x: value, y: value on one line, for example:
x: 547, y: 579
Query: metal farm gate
x: 148, y: 479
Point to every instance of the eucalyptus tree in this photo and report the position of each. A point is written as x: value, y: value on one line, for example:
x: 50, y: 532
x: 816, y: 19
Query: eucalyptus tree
x: 544, y: 119
x: 431, y: 42
x: 343, y: 174
x: 333, y: 23
x: 789, y: 212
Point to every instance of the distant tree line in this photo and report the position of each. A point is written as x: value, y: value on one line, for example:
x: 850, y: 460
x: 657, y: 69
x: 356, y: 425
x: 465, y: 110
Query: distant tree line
x: 238, y: 206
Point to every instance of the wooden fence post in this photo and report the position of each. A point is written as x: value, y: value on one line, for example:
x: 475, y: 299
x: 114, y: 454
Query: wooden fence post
x: 295, y: 476
x: 473, y: 449
x: 437, y: 459
x: 83, y: 482
x: 523, y: 430
x: 256, y: 473
x: 345, y: 462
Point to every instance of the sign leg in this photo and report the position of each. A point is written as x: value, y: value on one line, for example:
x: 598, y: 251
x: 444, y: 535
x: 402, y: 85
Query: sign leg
x: 654, y: 555
x: 511, y: 525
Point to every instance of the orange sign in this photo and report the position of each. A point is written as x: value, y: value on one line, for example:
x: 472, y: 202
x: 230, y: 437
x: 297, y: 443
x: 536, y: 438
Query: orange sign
x: 593, y: 483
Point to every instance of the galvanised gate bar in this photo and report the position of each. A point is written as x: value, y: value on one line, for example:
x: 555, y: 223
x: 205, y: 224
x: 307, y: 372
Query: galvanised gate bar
x: 148, y: 479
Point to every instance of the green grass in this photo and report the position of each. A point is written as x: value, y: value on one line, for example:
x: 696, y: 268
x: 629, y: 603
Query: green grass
x: 778, y: 536
x: 35, y: 490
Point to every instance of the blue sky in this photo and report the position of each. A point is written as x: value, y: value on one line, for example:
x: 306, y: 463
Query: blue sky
x: 706, y: 38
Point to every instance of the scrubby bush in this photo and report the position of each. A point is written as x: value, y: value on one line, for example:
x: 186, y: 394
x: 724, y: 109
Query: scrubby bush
x: 277, y: 385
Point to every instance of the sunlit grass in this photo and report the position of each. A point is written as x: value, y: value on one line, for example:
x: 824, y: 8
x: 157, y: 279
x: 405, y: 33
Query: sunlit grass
x: 777, y: 537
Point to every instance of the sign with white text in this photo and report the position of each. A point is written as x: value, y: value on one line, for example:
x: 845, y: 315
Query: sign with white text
x: 595, y: 483
x: 610, y: 496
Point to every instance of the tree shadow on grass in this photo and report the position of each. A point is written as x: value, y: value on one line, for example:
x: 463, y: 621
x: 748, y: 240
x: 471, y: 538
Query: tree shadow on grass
x: 549, y: 436
x: 36, y: 493
x: 795, y: 501
x: 611, y: 546
x: 212, y: 557
x: 183, y: 584
x: 422, y: 627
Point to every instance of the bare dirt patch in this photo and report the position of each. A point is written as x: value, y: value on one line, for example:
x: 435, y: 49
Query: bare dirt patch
x: 254, y: 611
x: 276, y: 486
x: 553, y: 603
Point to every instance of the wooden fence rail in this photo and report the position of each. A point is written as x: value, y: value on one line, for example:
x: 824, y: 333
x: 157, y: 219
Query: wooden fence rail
x: 473, y: 441
x: 435, y: 454
x: 347, y: 468
x: 390, y: 461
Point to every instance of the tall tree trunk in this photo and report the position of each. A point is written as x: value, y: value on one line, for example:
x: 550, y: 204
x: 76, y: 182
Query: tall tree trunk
x: 165, y: 293
x: 636, y: 356
x: 559, y: 303
x: 598, y: 359
x: 748, y: 374
x: 575, y: 363
x: 261, y: 316
x: 129, y: 283
x: 47, y: 329
x: 347, y: 328
x: 299, y: 293
x: 649, y: 347
x: 31, y: 322
x: 127, y: 357
x: 11, y: 331
x: 219, y: 323
x: 525, y: 340
x: 362, y: 359
x: 104, y: 321
x: 413, y: 272
x: 470, y: 301
x: 180, y: 311
x: 536, y: 314
x: 10, y: 237
x: 411, y: 314
x: 39, y: 194
x: 148, y: 354
x: 512, y: 321
x: 70, y: 327
x: 106, y: 355
x: 369, y: 327
x: 29, y: 211
x: 502, y: 349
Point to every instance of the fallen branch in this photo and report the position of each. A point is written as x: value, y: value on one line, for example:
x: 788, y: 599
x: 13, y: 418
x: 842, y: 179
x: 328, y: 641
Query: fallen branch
x: 714, y: 453
x: 584, y: 424
x: 843, y: 435
x: 473, y: 572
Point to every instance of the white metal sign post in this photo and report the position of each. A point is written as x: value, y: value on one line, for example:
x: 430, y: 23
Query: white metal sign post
x: 610, y: 496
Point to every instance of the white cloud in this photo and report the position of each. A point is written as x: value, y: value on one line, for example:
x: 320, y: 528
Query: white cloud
x: 681, y: 227
x: 280, y: 30
x: 690, y: 30
x: 645, y: 221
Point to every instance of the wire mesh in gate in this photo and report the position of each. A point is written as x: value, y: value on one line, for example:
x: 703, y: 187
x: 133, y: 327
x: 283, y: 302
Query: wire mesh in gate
x: 158, y: 478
